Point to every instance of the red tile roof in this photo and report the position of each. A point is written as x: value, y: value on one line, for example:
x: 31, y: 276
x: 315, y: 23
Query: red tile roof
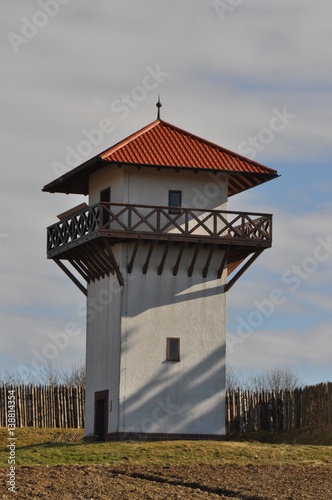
x: 163, y: 145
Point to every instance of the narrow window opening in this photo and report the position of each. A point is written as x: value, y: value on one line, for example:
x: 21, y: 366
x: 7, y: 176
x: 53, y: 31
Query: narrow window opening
x: 174, y: 201
x: 105, y: 197
x: 173, y: 349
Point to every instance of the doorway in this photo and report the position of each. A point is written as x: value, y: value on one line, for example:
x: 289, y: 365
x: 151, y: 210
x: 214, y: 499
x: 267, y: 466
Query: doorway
x: 101, y: 415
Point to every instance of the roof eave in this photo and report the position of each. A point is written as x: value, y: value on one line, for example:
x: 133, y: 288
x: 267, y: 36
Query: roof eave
x: 242, y: 181
x: 76, y: 181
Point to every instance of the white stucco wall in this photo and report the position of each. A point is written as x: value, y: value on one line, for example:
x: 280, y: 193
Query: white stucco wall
x: 166, y: 397
x: 127, y: 330
x: 103, y: 347
x: 107, y: 177
x: 148, y: 186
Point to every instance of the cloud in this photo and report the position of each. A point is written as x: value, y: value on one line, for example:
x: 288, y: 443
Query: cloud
x: 225, y: 79
x: 274, y: 348
x: 292, y: 329
x: 27, y: 340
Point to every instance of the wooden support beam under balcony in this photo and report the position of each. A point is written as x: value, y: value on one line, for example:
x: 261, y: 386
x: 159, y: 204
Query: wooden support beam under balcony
x: 193, y: 262
x: 97, y: 261
x: 162, y: 263
x: 223, y: 263
x: 132, y: 260
x: 113, y: 261
x: 206, y: 268
x: 71, y: 276
x: 148, y: 258
x: 178, y: 260
x: 243, y: 269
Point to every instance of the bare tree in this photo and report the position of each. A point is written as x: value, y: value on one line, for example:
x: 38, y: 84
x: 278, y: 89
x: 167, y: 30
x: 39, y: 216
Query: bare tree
x: 50, y: 373
x: 281, y: 379
x: 233, y: 378
x: 257, y: 382
x: 76, y: 376
x: 275, y: 379
x: 25, y: 376
x: 9, y: 378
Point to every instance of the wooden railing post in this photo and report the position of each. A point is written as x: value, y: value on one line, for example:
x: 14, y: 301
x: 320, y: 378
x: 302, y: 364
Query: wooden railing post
x: 215, y: 228
x: 158, y: 220
x: 129, y: 223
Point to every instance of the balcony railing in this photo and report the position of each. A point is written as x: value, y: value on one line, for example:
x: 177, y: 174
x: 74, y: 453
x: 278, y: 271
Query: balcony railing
x: 124, y: 221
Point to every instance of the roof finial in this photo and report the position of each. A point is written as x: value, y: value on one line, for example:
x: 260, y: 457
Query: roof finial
x: 158, y: 106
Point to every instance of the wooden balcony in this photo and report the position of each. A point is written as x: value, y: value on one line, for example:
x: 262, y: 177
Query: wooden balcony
x: 119, y: 222
x: 85, y: 238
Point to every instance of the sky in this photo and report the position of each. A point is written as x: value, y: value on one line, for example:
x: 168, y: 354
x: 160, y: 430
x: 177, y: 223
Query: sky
x: 254, y: 77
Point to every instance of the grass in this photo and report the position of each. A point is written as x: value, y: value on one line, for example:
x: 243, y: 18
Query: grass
x: 65, y: 446
x: 313, y: 436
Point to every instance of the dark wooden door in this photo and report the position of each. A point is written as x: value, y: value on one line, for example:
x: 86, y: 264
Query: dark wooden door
x: 100, y: 420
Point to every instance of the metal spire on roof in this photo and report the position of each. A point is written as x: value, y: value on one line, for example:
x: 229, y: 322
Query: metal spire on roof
x: 158, y: 106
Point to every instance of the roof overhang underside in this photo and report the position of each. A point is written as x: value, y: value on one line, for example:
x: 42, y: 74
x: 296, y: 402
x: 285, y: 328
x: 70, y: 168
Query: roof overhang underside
x: 77, y: 180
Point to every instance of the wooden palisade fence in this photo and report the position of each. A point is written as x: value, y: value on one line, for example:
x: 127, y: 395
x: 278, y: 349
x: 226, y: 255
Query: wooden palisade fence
x: 63, y: 407
x: 277, y: 411
x: 45, y: 406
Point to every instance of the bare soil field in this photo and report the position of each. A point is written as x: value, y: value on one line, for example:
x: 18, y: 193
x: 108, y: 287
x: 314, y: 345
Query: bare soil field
x: 172, y: 482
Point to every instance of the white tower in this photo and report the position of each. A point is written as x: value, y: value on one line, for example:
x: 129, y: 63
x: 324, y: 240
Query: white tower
x: 156, y: 247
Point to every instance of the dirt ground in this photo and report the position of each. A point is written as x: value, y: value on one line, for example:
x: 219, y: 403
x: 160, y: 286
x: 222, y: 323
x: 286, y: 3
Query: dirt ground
x: 184, y: 482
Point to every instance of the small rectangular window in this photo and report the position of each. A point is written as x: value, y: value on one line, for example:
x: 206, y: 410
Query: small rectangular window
x: 173, y: 349
x: 174, y: 200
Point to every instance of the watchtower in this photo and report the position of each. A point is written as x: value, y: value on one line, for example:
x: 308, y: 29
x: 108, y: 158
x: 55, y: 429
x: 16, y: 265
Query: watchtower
x: 156, y: 251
